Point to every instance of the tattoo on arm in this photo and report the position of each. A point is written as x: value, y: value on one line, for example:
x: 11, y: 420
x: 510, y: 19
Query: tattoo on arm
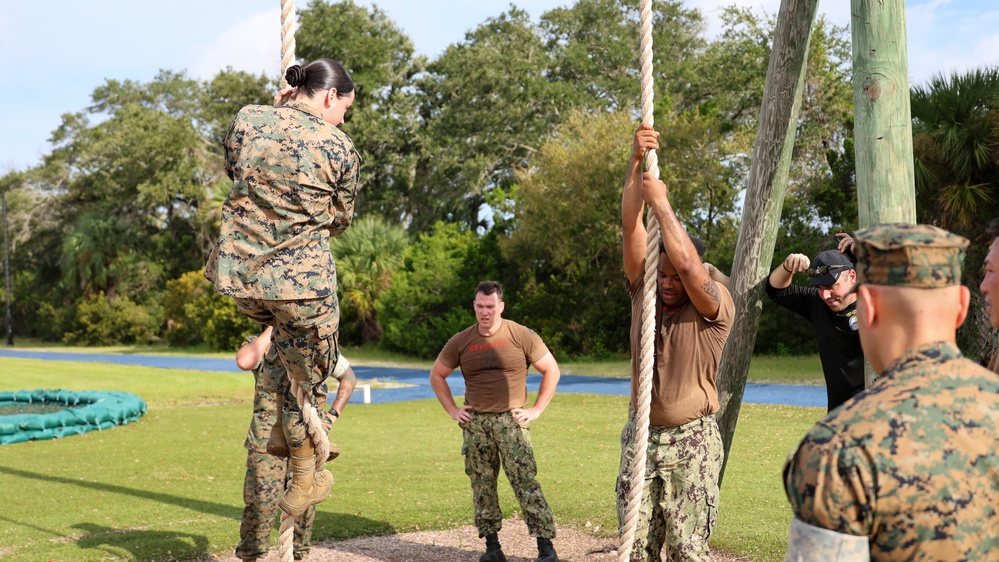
x: 344, y: 390
x: 711, y: 288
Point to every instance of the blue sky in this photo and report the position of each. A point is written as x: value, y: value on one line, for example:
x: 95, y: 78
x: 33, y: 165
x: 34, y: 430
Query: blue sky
x: 53, y: 53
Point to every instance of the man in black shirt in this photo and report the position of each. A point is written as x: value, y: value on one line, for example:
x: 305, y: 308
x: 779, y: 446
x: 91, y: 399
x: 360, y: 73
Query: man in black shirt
x: 828, y: 303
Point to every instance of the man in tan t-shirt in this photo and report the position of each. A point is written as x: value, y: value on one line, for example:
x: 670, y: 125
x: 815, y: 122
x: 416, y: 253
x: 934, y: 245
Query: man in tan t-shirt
x: 494, y: 355
x: 694, y: 315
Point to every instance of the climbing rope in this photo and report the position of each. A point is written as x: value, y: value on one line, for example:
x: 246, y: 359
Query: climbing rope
x: 313, y: 424
x: 643, y: 397
x: 286, y: 546
x: 287, y: 38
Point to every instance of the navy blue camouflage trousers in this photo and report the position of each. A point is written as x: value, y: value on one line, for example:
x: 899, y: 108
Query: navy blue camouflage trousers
x: 490, y: 439
x: 679, y: 506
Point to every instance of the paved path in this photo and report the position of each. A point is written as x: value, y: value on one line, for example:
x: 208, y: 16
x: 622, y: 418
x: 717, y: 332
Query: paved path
x: 791, y: 395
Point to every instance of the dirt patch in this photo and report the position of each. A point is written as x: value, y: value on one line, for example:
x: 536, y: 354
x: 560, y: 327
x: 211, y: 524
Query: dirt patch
x: 464, y: 545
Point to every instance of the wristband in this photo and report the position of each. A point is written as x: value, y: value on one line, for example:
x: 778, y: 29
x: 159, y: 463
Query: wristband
x: 334, y: 413
x: 784, y: 265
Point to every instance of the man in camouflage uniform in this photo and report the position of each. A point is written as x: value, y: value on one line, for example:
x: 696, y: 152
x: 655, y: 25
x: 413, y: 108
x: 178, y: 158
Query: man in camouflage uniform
x: 907, y: 470
x: 493, y: 355
x: 266, y: 463
x: 294, y: 184
x: 990, y: 284
x: 694, y: 314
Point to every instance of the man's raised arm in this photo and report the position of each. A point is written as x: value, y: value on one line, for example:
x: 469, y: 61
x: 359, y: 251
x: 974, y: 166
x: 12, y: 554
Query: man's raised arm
x: 632, y: 206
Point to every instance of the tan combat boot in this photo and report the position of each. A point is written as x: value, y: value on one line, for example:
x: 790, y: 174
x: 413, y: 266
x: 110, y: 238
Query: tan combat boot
x: 308, y: 486
x: 278, y: 446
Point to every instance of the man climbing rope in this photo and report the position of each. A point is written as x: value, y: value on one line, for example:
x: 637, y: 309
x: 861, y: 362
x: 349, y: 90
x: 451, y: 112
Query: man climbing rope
x: 694, y: 315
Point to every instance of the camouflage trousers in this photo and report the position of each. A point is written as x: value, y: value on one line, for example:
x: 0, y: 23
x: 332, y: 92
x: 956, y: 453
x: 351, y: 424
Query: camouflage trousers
x: 490, y: 438
x: 262, y: 489
x: 305, y: 338
x: 679, y: 506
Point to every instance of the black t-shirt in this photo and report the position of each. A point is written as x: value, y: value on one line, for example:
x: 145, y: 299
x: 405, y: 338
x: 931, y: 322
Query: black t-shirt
x: 836, y: 333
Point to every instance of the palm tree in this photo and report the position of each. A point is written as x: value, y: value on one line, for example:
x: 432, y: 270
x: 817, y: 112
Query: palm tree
x: 367, y: 256
x: 956, y: 145
x: 93, y: 254
x: 956, y: 149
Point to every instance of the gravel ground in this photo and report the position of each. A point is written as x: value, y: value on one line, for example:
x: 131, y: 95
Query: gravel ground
x: 464, y: 545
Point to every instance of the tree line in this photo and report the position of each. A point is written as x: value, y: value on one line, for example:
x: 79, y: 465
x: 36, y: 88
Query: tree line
x: 503, y: 157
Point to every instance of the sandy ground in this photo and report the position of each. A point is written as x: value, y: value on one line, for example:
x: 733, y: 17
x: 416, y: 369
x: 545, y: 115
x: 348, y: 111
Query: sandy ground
x: 464, y: 545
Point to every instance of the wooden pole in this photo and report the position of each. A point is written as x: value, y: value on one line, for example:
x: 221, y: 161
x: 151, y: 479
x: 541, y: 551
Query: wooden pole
x: 886, y: 189
x: 761, y: 212
x: 883, y: 123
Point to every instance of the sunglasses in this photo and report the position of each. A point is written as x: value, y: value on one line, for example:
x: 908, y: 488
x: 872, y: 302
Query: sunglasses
x: 824, y: 270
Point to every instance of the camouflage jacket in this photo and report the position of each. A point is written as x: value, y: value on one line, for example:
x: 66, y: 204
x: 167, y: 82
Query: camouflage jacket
x: 911, y: 462
x: 294, y: 183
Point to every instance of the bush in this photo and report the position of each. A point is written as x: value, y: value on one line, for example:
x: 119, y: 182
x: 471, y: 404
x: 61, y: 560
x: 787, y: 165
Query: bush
x: 431, y: 296
x: 225, y: 327
x: 184, y: 326
x: 100, y: 322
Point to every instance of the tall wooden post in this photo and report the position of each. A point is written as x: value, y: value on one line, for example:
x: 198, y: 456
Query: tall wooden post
x: 883, y: 123
x: 886, y: 189
x: 764, y: 200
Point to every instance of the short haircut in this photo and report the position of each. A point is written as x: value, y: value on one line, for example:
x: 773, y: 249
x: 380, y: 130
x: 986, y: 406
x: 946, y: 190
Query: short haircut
x: 489, y: 287
x: 993, y: 229
x: 697, y: 242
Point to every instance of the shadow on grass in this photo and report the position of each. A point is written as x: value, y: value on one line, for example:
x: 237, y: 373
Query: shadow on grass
x: 148, y: 544
x: 211, y: 508
x: 142, y: 544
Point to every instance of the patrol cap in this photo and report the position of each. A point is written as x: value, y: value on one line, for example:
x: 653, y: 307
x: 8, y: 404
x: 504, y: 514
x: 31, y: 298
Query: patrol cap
x: 909, y: 255
x: 836, y: 263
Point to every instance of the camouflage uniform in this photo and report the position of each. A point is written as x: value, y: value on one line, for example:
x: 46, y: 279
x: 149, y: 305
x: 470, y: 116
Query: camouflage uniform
x: 910, y: 464
x: 294, y: 184
x: 487, y: 438
x: 265, y: 473
x: 680, y: 480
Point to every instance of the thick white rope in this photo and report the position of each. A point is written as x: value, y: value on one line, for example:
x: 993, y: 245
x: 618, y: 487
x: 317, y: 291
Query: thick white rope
x: 287, y: 38
x: 286, y: 547
x: 286, y: 538
x: 643, y: 396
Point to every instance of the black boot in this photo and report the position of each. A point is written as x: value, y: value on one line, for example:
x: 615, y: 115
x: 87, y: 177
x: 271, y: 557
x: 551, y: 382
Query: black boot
x: 546, y: 552
x: 493, y: 551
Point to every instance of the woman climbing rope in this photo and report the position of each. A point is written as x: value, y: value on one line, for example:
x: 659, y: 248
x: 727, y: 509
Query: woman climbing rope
x: 294, y: 183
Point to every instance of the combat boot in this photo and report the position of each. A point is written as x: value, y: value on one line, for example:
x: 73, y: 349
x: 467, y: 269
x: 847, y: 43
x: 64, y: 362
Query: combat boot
x: 308, y: 485
x: 546, y: 551
x: 278, y: 447
x: 494, y: 553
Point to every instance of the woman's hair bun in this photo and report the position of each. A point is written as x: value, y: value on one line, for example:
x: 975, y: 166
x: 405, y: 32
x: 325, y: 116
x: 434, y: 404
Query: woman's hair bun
x: 295, y: 75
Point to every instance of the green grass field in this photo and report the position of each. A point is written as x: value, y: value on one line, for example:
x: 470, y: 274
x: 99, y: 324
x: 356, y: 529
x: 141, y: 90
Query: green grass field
x: 169, y: 487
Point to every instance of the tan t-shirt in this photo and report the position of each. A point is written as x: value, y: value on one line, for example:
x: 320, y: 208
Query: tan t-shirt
x: 494, y: 367
x: 688, y: 350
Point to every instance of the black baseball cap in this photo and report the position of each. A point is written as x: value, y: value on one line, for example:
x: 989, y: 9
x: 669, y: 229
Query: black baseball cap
x: 835, y: 262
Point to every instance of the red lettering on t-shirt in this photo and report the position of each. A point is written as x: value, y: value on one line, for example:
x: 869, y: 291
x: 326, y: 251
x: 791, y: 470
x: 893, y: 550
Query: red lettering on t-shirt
x: 491, y: 345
